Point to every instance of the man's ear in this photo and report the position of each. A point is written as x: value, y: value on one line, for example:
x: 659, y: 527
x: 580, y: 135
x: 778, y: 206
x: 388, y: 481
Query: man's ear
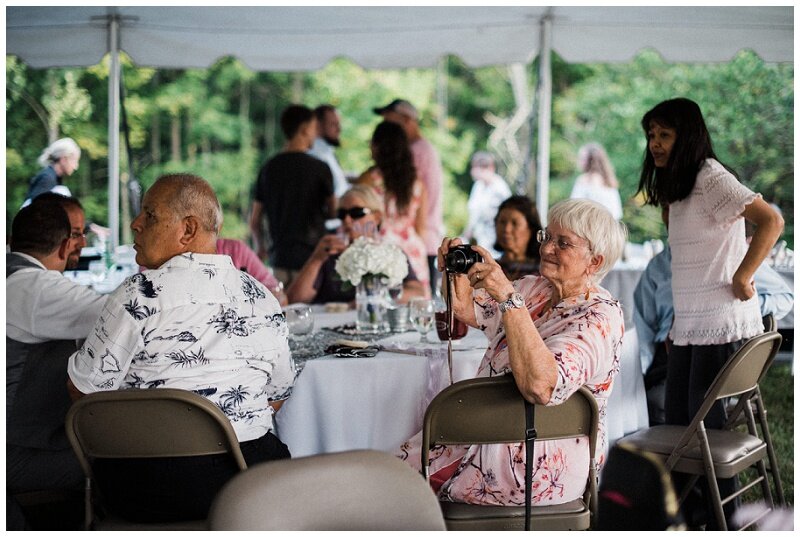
x: 191, y: 227
x: 63, y: 249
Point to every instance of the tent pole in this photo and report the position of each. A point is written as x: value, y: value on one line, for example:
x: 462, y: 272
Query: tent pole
x: 545, y: 98
x: 113, y: 131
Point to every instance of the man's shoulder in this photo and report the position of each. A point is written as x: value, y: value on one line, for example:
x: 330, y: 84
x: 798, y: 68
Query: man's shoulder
x: 294, y: 161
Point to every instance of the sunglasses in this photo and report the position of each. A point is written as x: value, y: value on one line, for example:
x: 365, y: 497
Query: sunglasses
x: 355, y: 213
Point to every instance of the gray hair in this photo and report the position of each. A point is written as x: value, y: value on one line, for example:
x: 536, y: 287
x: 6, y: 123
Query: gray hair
x: 593, y: 222
x: 58, y: 149
x: 192, y: 195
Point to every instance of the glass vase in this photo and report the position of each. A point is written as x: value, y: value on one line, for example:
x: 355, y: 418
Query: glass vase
x: 372, y: 299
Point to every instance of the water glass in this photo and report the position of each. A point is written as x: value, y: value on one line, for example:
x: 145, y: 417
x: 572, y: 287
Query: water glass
x: 421, y: 311
x: 97, y: 269
x: 299, y: 319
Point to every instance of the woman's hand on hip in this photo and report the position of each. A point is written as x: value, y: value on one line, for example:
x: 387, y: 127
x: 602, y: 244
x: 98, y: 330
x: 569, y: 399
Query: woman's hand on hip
x: 489, y: 275
x: 743, y: 288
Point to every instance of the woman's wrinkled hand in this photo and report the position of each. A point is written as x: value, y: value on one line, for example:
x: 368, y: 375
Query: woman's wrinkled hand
x: 447, y: 243
x: 490, y: 276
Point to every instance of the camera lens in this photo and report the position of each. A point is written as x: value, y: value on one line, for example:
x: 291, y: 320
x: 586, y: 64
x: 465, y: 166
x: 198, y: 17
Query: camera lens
x: 456, y: 262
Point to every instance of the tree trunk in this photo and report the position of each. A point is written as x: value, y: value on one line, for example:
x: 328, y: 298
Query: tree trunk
x: 155, y: 129
x: 175, y: 137
x: 246, y: 135
x: 191, y: 147
x: 297, y: 87
x: 155, y: 138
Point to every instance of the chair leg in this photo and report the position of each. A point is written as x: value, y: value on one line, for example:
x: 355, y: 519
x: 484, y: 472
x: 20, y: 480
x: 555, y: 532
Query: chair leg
x: 88, y: 514
x: 711, y: 478
x: 773, y: 460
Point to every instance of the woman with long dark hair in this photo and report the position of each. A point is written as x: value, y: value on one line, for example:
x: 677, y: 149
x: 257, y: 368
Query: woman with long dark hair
x: 716, y: 306
x: 404, y: 197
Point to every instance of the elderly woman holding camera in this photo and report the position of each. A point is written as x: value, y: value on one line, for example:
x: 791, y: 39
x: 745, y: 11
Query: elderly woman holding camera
x: 555, y: 332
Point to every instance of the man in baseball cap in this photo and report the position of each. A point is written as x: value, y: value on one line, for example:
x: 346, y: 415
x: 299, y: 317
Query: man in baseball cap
x: 429, y: 170
x: 398, y: 106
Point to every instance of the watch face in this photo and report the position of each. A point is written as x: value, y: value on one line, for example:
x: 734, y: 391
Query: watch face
x: 517, y: 299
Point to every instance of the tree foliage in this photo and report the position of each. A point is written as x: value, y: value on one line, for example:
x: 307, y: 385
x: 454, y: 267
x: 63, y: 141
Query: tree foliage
x: 222, y: 123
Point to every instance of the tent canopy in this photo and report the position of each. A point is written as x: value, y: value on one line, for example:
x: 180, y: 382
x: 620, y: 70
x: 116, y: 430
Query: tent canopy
x: 306, y: 38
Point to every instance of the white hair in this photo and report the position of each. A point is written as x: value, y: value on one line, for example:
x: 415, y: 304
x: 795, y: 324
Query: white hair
x: 593, y: 222
x: 193, y: 195
x: 58, y: 149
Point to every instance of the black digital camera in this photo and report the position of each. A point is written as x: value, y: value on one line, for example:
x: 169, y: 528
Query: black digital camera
x: 460, y: 258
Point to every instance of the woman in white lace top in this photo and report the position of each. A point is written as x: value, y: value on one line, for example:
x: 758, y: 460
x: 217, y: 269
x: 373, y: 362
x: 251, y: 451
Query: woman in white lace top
x: 716, y: 306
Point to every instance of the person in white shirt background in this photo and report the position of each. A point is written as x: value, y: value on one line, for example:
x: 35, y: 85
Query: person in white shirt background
x: 597, y: 180
x: 329, y: 127
x: 488, y: 192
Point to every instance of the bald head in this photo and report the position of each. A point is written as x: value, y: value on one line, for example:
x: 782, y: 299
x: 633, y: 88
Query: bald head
x: 180, y: 213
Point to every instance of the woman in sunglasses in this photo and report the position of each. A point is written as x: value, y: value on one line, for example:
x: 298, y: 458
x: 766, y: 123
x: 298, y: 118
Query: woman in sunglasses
x: 360, y: 210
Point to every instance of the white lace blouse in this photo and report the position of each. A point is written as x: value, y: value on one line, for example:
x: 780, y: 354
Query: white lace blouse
x: 706, y: 234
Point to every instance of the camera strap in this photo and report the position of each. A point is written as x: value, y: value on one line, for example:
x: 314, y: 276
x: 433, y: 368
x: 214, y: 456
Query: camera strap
x: 530, y: 437
x: 449, y: 303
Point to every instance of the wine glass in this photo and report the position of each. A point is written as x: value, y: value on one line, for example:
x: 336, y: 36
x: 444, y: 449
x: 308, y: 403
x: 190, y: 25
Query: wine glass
x: 97, y: 269
x: 421, y: 311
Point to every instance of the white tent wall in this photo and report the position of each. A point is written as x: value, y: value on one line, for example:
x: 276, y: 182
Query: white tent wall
x: 306, y: 38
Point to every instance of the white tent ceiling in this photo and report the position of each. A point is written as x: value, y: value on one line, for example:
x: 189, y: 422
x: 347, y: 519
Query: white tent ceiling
x: 306, y: 38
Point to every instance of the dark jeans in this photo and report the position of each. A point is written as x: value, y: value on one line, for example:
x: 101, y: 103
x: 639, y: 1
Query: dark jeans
x: 29, y: 469
x: 174, y: 488
x: 690, y: 371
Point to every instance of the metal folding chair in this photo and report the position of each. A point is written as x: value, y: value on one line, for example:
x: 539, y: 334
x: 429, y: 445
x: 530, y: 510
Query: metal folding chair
x: 490, y: 410
x: 352, y: 490
x: 146, y: 424
x: 722, y: 453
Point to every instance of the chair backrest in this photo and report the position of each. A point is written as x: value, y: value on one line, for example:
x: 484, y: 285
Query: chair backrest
x: 746, y: 367
x: 467, y: 413
x: 149, y: 423
x: 491, y: 410
x: 770, y: 324
x: 352, y: 490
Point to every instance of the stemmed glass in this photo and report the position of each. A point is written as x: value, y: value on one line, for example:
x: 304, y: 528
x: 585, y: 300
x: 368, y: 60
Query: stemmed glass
x: 421, y: 315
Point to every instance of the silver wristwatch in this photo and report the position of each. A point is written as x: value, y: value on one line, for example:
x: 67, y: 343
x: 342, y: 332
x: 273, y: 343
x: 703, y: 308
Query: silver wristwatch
x: 514, y: 301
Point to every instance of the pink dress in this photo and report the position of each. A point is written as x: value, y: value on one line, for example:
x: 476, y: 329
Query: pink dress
x: 585, y: 335
x: 398, y: 228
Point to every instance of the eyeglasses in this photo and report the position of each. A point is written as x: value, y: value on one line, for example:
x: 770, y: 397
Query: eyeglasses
x: 77, y: 235
x: 543, y: 237
x: 355, y: 213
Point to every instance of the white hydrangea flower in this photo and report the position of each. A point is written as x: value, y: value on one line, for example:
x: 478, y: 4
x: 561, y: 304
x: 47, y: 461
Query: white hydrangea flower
x: 364, y: 257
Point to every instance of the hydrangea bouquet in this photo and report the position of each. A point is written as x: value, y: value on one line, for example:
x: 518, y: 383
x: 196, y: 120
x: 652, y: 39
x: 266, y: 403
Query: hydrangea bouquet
x: 365, y: 258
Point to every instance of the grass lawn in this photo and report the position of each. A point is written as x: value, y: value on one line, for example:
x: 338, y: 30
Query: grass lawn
x: 777, y: 388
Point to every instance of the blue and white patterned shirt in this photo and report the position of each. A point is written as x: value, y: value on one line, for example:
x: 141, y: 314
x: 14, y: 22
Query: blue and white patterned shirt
x: 196, y: 323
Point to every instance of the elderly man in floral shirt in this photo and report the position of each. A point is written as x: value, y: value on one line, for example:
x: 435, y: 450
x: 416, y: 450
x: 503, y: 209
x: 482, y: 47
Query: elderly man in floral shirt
x: 193, y: 321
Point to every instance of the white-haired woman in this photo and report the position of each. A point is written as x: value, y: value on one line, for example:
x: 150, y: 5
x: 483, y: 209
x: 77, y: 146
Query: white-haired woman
x: 60, y: 159
x: 555, y: 332
x: 361, y: 213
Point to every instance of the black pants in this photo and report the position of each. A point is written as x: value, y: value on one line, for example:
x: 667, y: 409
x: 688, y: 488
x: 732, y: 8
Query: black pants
x: 174, y: 488
x: 690, y: 371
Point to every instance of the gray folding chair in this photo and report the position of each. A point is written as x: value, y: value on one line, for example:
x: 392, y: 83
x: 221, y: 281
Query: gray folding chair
x: 352, y: 490
x: 720, y: 453
x: 145, y: 424
x: 491, y: 410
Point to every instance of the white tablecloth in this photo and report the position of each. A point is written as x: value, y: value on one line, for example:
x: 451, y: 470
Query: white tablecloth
x: 341, y: 404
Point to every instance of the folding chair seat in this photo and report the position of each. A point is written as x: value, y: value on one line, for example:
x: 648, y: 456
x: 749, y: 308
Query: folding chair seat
x: 352, y: 490
x: 140, y: 424
x: 725, y: 453
x: 467, y: 413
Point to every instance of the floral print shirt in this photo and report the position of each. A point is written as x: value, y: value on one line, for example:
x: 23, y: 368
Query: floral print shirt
x: 196, y: 323
x: 585, y: 335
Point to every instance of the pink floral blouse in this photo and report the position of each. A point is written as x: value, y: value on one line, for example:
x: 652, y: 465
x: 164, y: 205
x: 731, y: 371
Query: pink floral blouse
x: 585, y: 335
